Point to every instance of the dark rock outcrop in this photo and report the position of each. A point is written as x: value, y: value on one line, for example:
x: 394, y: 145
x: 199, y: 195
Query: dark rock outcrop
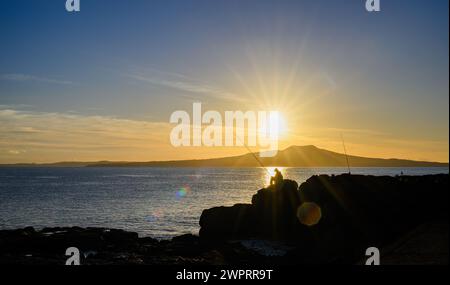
x: 224, y: 223
x: 275, y: 208
x: 272, y: 215
x: 99, y: 246
x: 57, y: 240
x: 361, y: 211
x: 333, y: 217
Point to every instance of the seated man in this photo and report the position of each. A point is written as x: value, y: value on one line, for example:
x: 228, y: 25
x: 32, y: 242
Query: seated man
x: 277, y: 179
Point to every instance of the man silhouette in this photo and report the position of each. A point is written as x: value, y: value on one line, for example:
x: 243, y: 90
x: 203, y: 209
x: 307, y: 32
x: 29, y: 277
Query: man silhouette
x: 277, y: 179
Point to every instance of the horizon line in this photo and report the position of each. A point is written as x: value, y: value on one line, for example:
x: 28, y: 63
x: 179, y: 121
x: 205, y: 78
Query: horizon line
x: 222, y: 157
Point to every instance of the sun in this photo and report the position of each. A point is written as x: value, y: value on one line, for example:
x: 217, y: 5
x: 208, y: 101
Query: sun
x: 278, y: 124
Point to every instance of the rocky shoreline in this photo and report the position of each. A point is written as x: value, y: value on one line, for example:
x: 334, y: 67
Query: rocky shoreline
x: 326, y: 220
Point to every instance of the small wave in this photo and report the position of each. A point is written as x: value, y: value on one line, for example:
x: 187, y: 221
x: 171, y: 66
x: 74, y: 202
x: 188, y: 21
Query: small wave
x: 131, y: 176
x: 47, y: 177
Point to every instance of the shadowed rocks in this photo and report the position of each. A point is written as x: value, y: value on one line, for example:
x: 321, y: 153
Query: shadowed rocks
x: 271, y: 215
x: 98, y: 246
x: 333, y: 217
x: 224, y: 223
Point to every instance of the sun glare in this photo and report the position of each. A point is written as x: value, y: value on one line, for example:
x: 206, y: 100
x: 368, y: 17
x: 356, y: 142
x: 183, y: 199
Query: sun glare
x: 277, y: 126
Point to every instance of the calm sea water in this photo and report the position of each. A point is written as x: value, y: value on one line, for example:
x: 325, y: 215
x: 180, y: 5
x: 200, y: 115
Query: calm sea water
x: 157, y: 202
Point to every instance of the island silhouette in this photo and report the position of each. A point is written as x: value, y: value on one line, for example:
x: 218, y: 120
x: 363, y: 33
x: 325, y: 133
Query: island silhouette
x: 294, y: 156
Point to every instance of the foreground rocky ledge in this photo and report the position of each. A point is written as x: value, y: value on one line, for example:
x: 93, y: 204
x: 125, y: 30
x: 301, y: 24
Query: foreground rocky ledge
x: 328, y: 219
x: 333, y: 218
x: 110, y: 246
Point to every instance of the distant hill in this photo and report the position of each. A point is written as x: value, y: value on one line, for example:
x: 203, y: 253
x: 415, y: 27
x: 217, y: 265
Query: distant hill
x: 295, y: 156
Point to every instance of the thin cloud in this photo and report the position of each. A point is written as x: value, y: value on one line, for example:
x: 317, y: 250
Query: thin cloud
x: 16, y: 151
x: 186, y: 84
x: 356, y: 131
x: 30, y: 136
x: 32, y: 78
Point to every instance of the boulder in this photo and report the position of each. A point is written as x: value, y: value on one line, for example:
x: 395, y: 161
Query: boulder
x: 275, y: 208
x: 357, y: 211
x: 272, y: 215
x: 224, y: 223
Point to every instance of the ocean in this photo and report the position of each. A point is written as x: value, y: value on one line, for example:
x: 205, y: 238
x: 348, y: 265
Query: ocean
x: 156, y: 202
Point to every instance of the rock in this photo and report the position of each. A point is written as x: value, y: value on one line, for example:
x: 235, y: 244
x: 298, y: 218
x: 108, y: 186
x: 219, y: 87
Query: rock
x: 275, y: 210
x: 148, y: 241
x: 358, y: 211
x: 225, y: 223
x: 333, y: 218
x: 272, y: 215
x: 186, y: 238
x: 120, y: 237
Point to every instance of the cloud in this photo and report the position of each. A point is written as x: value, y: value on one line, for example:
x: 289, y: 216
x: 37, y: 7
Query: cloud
x: 30, y: 136
x: 33, y: 78
x: 355, y: 131
x: 45, y: 136
x: 186, y: 84
x: 16, y: 152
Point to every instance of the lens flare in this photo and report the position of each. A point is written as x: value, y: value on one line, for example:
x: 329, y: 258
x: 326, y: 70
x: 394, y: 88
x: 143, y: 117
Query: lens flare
x: 183, y: 192
x: 309, y: 214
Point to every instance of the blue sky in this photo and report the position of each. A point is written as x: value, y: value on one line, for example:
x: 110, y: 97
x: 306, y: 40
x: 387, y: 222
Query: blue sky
x: 141, y: 60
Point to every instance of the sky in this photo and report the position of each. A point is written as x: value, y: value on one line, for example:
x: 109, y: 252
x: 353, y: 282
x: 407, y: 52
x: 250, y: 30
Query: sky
x: 102, y: 83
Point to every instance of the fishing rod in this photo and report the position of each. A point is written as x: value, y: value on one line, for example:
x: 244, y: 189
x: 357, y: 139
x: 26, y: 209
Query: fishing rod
x: 346, y: 156
x: 254, y: 155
